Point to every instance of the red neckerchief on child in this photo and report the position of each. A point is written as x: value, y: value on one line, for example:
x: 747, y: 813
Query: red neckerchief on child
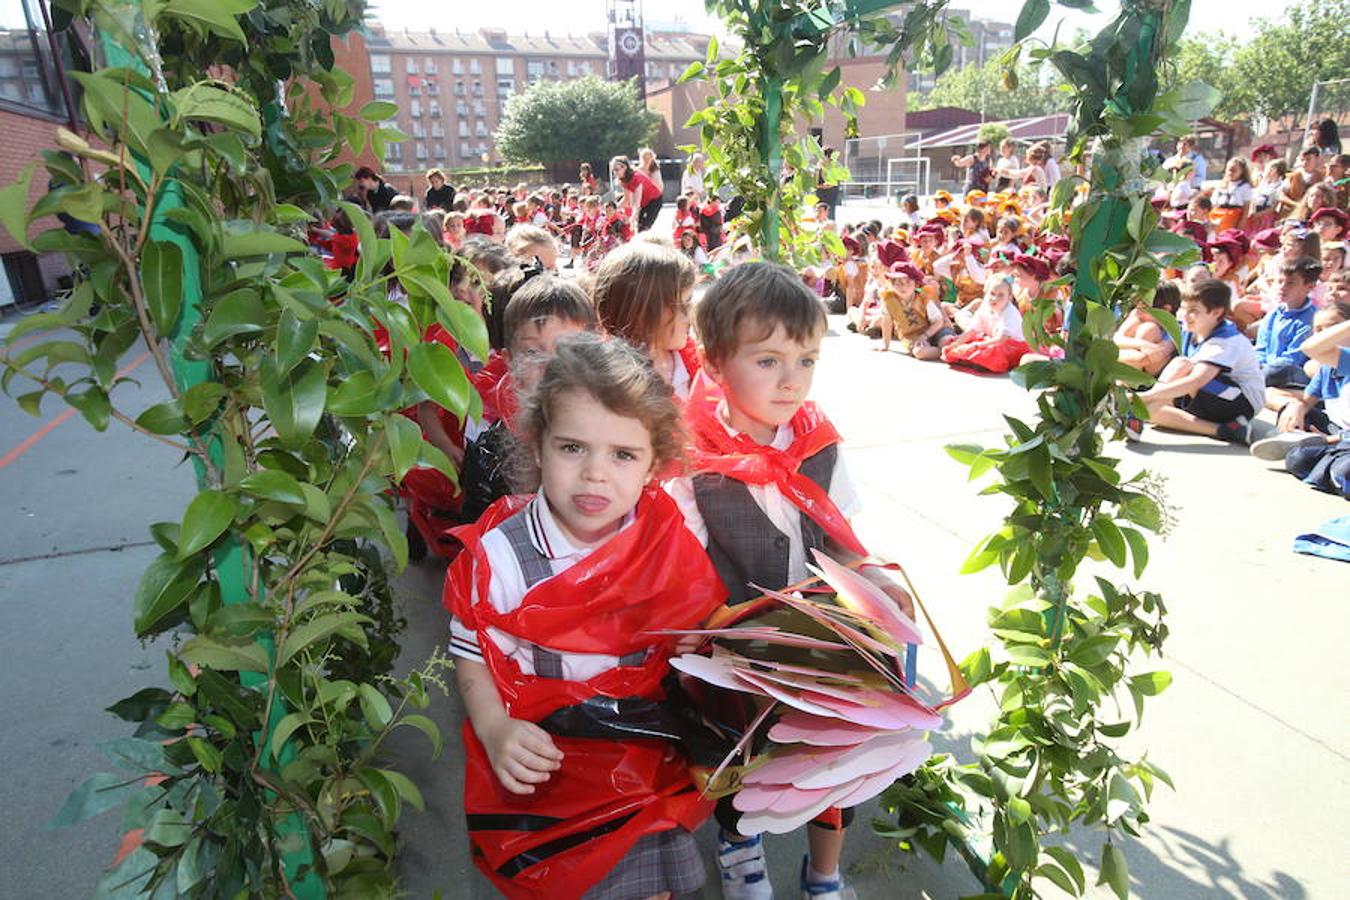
x: 740, y: 457
x: 497, y: 388
x: 566, y: 836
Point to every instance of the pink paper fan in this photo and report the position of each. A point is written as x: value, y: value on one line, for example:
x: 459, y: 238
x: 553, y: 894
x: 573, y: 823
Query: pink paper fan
x: 787, y: 766
x: 874, y: 784
x: 716, y: 670
x: 779, y: 798
x: 878, y: 709
x: 862, y: 596
x: 767, y: 821
x: 783, y: 695
x: 767, y: 634
x: 803, y: 728
x: 819, y: 612
x: 806, y: 683
x: 874, y: 756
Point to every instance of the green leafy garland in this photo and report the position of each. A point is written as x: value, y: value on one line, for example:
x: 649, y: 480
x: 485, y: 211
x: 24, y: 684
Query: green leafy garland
x: 257, y: 770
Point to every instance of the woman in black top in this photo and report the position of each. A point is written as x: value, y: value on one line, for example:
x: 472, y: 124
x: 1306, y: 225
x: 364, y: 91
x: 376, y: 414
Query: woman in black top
x: 981, y: 173
x: 440, y: 195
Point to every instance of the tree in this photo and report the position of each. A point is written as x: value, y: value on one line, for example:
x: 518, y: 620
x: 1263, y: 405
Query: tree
x: 1273, y: 74
x: 988, y: 89
x: 564, y: 121
x: 1208, y: 59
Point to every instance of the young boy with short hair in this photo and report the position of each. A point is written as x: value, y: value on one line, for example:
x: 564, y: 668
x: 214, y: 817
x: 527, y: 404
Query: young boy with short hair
x: 1215, y: 386
x: 1284, y: 329
x: 769, y: 486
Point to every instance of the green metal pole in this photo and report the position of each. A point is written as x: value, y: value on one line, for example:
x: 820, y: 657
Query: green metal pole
x: 232, y: 560
x: 771, y: 153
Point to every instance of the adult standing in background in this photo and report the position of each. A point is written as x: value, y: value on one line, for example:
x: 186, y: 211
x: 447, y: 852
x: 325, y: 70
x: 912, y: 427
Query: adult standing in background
x: 980, y: 172
x: 692, y: 179
x: 826, y: 190
x: 641, y: 193
x: 439, y: 195
x: 372, y: 191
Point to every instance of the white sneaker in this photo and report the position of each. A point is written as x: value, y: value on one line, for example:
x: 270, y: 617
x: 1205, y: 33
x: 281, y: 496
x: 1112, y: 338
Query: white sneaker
x: 1275, y: 448
x: 744, y: 873
x: 824, y: 890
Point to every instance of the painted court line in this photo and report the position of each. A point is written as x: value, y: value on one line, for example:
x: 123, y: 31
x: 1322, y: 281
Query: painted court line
x: 51, y: 424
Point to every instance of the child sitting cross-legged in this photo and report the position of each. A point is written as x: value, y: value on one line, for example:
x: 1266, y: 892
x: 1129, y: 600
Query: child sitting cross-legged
x: 769, y: 485
x: 1284, y: 329
x: 556, y: 601
x: 1215, y: 387
x: 1142, y: 342
x: 917, y: 321
x: 992, y: 340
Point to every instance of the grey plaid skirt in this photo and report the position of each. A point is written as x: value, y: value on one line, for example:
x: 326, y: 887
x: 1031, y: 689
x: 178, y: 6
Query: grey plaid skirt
x: 664, y: 861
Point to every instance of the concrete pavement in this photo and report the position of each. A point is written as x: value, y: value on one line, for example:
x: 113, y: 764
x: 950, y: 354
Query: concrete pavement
x: 1253, y: 729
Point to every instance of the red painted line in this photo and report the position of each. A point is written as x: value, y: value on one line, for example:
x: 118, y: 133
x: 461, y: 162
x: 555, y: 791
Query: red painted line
x: 51, y: 424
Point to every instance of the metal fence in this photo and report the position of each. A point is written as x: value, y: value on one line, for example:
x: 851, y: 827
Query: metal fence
x: 885, y: 166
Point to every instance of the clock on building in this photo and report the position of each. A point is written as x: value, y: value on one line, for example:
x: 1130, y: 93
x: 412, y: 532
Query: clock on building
x: 630, y: 42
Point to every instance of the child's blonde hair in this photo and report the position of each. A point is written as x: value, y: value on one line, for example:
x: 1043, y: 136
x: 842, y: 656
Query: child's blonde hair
x: 621, y: 379
x: 635, y: 286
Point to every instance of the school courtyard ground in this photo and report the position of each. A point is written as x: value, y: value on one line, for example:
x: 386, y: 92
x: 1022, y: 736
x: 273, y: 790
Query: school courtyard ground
x: 1253, y: 730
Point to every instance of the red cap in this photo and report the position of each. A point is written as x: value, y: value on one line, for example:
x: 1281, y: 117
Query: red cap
x: 851, y: 245
x: 907, y: 269
x: 1035, y: 265
x: 1228, y: 245
x: 1269, y: 239
x: 936, y: 231
x: 890, y: 253
x: 1268, y: 149
x: 1238, y: 236
x: 1331, y: 212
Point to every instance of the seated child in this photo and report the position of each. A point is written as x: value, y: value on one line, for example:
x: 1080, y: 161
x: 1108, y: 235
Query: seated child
x: 917, y: 321
x: 1144, y: 343
x: 641, y: 294
x: 1284, y: 329
x: 1312, y: 434
x: 992, y: 340
x: 537, y: 634
x: 769, y: 485
x: 541, y: 311
x: 1215, y: 387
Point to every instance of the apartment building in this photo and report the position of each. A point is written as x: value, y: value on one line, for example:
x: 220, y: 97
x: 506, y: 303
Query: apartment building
x: 451, y: 87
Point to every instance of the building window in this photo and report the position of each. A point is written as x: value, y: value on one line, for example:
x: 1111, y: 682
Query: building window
x: 461, y: 108
x: 412, y: 66
x: 433, y: 89
x: 584, y: 67
x: 414, y: 90
x: 380, y: 64
x: 435, y: 109
x: 415, y: 107
x: 384, y: 87
x: 438, y: 151
x: 534, y: 70
x: 429, y: 66
x: 478, y: 88
x: 481, y: 130
x: 463, y: 128
x: 506, y: 65
x: 421, y: 150
x: 459, y: 89
x: 571, y: 67
x: 9, y: 67
x: 475, y: 67
x: 437, y: 130
x: 552, y: 68
x: 393, y: 153
x: 479, y: 108
x: 506, y: 88
x: 417, y: 131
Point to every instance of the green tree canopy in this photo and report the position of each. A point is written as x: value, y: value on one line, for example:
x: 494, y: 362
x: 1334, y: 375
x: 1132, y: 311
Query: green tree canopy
x: 985, y: 89
x: 1274, y: 72
x: 585, y: 119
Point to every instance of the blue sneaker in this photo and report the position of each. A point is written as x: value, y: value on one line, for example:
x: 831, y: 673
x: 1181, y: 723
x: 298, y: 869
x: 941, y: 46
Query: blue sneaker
x: 744, y: 874
x: 824, y: 890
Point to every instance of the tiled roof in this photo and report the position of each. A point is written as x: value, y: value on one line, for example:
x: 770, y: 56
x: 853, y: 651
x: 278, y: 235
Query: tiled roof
x: 1032, y: 128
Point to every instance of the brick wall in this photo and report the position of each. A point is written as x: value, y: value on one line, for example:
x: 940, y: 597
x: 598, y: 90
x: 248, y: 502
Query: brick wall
x: 25, y: 137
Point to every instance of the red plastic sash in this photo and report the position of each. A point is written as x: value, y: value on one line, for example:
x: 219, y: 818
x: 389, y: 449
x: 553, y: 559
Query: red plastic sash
x: 571, y: 832
x: 741, y: 458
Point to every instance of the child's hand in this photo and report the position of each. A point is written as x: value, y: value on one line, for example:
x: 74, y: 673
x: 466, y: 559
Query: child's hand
x: 522, y: 754
x: 689, y: 643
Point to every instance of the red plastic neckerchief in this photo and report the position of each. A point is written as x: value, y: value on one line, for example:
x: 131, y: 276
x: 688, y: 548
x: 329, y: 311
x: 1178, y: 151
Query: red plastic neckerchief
x: 497, y: 388
x: 652, y: 575
x: 740, y: 457
x: 689, y: 356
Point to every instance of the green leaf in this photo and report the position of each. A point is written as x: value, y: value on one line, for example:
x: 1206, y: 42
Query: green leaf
x: 316, y: 629
x: 1057, y: 875
x: 14, y: 206
x: 285, y: 728
x: 1138, y: 549
x: 177, y: 717
x: 238, y: 312
x: 165, y: 585
x: 295, y: 402
x: 405, y: 443
x: 1032, y: 16
x: 272, y: 484
x: 379, y: 110
x: 437, y: 372
x: 206, y: 518
x: 190, y: 871
x: 201, y: 400
x: 290, y: 214
x: 374, y: 706
x: 96, y: 794
x: 213, y: 15
x: 1109, y: 539
x: 1152, y: 683
x: 93, y: 404
x: 164, y: 418
x: 429, y: 728
x: 241, y: 657
x: 405, y: 787
x: 1070, y: 864
x: 210, y: 103
x: 1093, y: 651
x: 207, y: 754
x: 1115, y: 871
x: 168, y: 828
x: 829, y: 83
x: 466, y: 326
x: 258, y: 243
x: 142, y: 705
x: 1169, y: 324
x: 295, y: 338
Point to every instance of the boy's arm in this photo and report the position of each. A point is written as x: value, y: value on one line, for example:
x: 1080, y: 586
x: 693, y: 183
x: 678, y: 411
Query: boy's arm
x: 1324, y: 346
x: 1185, y: 385
x: 429, y: 418
x: 521, y: 753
